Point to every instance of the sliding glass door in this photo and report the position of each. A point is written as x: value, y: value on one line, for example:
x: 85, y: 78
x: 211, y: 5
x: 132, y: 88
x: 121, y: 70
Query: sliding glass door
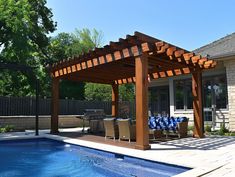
x: 159, y: 100
x: 215, y: 96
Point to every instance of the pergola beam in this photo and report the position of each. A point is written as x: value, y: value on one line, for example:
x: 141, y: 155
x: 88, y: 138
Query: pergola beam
x: 84, y: 78
x: 197, y: 105
x: 115, y: 100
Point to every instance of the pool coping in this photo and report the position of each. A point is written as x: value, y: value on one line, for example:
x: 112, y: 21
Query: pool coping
x: 195, y: 171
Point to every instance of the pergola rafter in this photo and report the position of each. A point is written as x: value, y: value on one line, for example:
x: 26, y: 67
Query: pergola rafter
x: 138, y: 59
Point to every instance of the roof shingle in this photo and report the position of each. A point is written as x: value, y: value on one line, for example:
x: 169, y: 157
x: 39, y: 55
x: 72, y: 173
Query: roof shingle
x: 222, y: 46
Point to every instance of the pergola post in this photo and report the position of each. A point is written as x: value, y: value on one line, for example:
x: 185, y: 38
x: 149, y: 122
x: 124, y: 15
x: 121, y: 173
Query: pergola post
x: 54, y: 106
x: 114, y: 100
x: 142, y: 131
x: 197, y: 104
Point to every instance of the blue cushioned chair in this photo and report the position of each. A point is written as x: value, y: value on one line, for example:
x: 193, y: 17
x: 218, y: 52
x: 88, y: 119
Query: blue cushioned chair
x: 178, y: 125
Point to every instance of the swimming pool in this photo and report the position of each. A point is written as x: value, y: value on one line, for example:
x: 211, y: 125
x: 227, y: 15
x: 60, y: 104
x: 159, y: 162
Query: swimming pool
x: 46, y: 158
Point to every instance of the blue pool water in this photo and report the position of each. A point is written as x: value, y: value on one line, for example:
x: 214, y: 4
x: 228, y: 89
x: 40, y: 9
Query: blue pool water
x: 49, y: 158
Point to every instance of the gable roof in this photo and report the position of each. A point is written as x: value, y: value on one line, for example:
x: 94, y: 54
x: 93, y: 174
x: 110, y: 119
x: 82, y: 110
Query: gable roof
x: 222, y: 47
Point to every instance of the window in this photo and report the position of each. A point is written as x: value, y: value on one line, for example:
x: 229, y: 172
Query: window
x: 220, y: 89
x: 179, y: 94
x: 207, y: 92
x: 189, y: 96
x: 214, y: 93
x: 207, y: 116
x: 159, y: 100
x: 183, y: 94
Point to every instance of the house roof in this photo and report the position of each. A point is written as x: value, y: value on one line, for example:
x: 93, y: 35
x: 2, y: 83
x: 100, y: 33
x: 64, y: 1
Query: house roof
x: 224, y: 46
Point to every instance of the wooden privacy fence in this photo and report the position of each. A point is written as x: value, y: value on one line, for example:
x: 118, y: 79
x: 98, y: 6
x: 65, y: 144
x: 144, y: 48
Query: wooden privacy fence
x: 12, y: 106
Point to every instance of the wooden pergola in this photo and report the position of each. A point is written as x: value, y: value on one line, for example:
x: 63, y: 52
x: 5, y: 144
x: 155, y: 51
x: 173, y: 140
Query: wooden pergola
x: 137, y: 59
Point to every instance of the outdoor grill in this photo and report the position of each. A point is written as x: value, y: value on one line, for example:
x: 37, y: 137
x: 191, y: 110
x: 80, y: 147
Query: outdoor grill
x: 95, y: 118
x: 94, y: 114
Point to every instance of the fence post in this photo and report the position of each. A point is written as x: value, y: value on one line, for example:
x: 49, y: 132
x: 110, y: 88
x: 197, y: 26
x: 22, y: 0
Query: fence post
x: 37, y: 107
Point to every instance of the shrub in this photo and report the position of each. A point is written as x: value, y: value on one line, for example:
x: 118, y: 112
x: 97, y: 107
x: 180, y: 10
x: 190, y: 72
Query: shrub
x: 230, y: 134
x: 2, y: 130
x: 208, y: 128
x: 7, y: 128
x: 223, y: 129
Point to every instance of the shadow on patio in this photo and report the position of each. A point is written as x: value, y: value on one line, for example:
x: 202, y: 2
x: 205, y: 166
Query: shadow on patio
x: 190, y: 143
x: 171, y: 143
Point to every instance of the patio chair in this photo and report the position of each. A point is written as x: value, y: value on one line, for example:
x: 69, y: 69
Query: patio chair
x: 181, y: 128
x: 155, y: 133
x: 126, y: 130
x: 111, y: 129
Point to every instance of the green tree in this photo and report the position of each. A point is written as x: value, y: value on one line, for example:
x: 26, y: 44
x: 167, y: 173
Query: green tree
x: 86, y: 40
x: 61, y: 47
x: 102, y: 92
x: 24, y: 26
x: 98, y: 92
x: 66, y: 45
x: 126, y: 92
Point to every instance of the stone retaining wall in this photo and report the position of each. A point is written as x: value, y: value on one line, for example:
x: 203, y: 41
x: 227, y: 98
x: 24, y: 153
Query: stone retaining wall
x: 28, y: 122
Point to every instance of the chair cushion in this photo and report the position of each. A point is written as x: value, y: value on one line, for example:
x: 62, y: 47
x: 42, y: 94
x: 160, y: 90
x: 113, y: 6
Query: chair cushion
x: 172, y: 123
x: 165, y: 123
x: 152, y: 122
x: 182, y: 119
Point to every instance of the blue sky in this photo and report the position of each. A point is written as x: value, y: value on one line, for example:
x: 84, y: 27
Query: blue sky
x: 186, y: 23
